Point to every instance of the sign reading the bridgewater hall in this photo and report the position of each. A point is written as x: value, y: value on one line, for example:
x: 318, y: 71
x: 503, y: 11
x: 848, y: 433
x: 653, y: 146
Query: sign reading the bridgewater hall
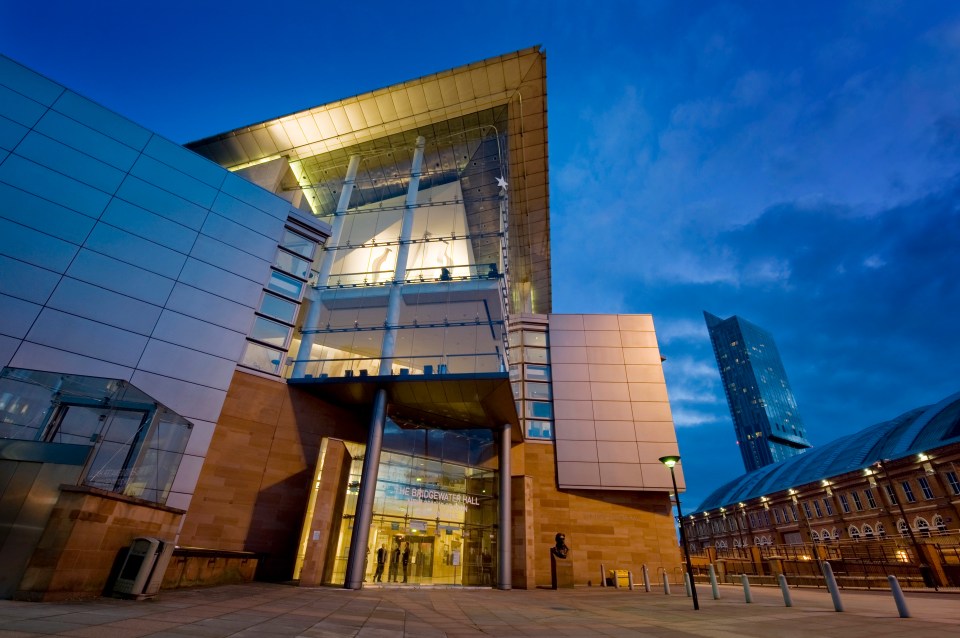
x: 428, y: 495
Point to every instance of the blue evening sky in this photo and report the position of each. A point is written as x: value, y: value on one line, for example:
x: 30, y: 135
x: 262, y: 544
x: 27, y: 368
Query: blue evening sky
x: 795, y: 163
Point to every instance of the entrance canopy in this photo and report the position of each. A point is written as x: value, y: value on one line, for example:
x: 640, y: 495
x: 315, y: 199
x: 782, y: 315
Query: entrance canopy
x: 447, y: 401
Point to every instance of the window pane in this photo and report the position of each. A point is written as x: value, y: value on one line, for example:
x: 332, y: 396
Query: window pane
x: 539, y: 410
x: 293, y: 265
x: 539, y: 429
x: 537, y: 373
x: 279, y: 308
x: 262, y: 358
x: 298, y: 244
x: 535, y: 355
x: 538, y: 390
x: 285, y: 285
x: 270, y: 332
x: 535, y: 339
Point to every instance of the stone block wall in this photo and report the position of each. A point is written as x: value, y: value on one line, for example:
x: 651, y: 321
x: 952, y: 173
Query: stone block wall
x: 617, y: 528
x: 86, y: 531
x: 253, y: 488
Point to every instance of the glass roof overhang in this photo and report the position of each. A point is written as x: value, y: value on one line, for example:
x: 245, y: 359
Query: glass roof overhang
x: 456, y: 111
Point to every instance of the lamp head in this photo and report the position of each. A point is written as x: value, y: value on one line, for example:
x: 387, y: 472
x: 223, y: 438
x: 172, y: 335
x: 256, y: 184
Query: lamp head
x: 669, y: 461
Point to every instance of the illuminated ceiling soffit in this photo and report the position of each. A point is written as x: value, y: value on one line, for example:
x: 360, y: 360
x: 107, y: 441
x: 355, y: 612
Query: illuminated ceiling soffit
x: 345, y: 123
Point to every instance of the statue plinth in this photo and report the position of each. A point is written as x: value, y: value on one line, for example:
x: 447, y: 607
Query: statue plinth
x: 561, y: 572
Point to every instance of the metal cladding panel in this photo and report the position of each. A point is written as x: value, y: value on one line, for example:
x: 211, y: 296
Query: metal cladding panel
x: 98, y: 304
x: 610, y: 429
x: 114, y: 264
x: 88, y: 338
x: 43, y: 215
x: 36, y: 248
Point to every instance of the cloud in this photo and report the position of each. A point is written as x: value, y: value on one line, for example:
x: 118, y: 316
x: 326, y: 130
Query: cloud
x: 684, y: 418
x: 681, y: 330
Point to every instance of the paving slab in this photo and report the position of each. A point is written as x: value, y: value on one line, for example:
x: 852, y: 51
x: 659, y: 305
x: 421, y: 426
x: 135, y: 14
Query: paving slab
x: 271, y: 610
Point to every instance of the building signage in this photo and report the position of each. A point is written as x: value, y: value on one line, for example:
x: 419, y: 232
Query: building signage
x: 425, y: 495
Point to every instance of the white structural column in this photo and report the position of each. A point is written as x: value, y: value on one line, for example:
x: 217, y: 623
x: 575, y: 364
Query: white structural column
x: 371, y: 460
x: 505, y: 524
x: 329, y: 256
x: 387, y: 350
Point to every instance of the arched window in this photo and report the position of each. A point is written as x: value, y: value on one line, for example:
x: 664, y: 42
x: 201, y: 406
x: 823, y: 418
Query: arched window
x: 736, y: 542
x: 902, y: 527
x: 854, y: 532
x: 881, y: 531
x: 939, y: 525
x: 815, y: 535
x: 756, y: 541
x: 922, y: 526
x: 836, y: 534
x: 825, y: 535
x: 867, y: 531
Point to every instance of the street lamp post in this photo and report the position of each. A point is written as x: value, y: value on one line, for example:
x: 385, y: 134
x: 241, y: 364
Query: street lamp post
x: 925, y: 571
x: 670, y: 461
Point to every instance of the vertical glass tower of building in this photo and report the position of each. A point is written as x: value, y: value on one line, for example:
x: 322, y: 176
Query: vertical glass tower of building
x: 765, y: 416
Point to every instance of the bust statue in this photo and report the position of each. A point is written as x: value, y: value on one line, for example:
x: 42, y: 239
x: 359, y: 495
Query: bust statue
x: 560, y: 550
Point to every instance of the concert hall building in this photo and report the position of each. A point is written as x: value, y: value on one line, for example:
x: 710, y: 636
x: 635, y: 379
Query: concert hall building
x: 284, y: 347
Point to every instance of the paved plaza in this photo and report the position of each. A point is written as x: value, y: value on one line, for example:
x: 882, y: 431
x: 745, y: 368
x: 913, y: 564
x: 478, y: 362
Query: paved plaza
x: 260, y: 609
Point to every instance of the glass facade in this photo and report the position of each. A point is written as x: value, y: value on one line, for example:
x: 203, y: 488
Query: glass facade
x: 765, y: 416
x: 531, y: 379
x: 436, y: 500
x: 136, y: 443
x: 417, y: 253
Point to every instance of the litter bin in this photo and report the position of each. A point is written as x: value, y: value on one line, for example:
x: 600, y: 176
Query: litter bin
x: 618, y: 578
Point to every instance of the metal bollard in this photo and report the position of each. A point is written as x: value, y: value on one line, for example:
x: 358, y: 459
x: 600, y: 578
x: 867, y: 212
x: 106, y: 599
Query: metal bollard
x: 603, y: 576
x: 786, y: 591
x: 630, y: 580
x: 832, y: 586
x: 666, y: 584
x: 713, y: 583
x: 898, y: 597
x: 616, y: 579
x: 746, y: 588
x: 646, y: 579
x: 686, y: 584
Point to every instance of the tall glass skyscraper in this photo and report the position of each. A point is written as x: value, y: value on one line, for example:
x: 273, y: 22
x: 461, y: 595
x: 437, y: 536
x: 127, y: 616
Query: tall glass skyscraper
x: 764, y: 411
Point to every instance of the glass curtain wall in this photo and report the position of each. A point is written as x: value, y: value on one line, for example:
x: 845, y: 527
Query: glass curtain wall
x: 453, y: 293
x: 435, y: 510
x: 531, y: 380
x: 137, y: 443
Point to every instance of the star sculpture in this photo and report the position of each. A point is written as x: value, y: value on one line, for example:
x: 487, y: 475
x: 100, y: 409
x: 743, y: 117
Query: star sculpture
x: 502, y: 183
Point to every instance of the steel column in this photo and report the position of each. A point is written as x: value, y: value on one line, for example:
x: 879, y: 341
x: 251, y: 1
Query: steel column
x: 505, y: 522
